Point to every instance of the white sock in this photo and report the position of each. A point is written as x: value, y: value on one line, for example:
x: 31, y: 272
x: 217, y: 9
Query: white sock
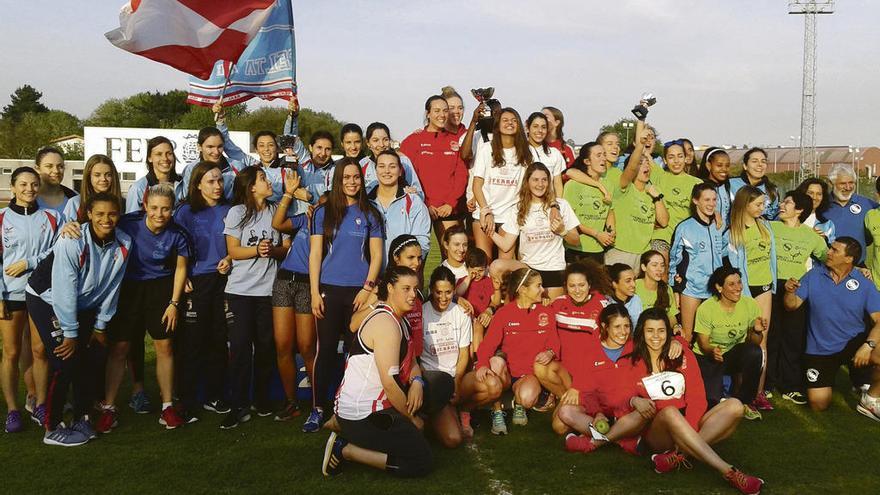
x: 166, y: 405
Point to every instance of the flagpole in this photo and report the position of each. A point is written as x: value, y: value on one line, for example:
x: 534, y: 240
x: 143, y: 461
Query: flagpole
x: 222, y: 92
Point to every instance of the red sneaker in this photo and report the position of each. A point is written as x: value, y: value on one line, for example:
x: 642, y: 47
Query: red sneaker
x: 748, y: 485
x: 579, y: 443
x: 108, y: 420
x: 630, y: 445
x: 170, y: 418
x: 761, y: 402
x: 669, y: 461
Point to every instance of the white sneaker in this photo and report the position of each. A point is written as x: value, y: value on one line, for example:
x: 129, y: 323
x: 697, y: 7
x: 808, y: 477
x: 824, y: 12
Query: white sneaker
x: 869, y: 406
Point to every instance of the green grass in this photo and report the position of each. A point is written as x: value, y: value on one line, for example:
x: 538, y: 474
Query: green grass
x: 794, y: 450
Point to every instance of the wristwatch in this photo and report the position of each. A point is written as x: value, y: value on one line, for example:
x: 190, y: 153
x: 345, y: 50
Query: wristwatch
x: 657, y: 198
x: 871, y: 344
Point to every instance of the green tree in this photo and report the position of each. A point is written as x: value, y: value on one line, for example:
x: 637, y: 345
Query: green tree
x: 35, y: 130
x: 272, y: 119
x: 24, y: 100
x: 147, y: 109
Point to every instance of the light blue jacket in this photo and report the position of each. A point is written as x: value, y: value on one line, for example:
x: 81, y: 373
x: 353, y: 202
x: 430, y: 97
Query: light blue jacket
x: 698, y: 249
x: 771, y: 208
x: 371, y: 180
x: 26, y: 233
x: 82, y: 274
x: 134, y: 199
x: 407, y: 214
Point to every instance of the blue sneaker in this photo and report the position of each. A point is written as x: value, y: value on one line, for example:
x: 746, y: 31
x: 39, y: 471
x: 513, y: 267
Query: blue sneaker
x: 65, y: 437
x: 140, y: 403
x: 314, y: 422
x: 84, y: 426
x: 333, y: 460
x: 39, y: 415
x: 14, y: 424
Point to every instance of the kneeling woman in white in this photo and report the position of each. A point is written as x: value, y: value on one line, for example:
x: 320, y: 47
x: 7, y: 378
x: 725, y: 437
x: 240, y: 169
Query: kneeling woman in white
x: 444, y: 359
x: 540, y: 234
x: 377, y: 426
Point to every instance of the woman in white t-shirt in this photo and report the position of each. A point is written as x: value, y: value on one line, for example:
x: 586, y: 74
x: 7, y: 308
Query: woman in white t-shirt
x: 447, y: 333
x: 455, y: 244
x: 540, y: 234
x: 497, y: 174
x: 536, y: 128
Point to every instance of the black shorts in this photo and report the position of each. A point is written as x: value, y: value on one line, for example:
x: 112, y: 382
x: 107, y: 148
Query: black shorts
x: 757, y: 290
x: 292, y: 290
x: 439, y: 387
x: 15, y: 306
x: 552, y: 278
x: 821, y: 370
x: 140, y: 308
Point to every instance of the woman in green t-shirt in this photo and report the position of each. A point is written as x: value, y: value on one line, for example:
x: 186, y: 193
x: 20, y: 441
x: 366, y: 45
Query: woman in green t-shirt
x: 676, y: 186
x: 588, y: 193
x: 728, y: 329
x: 754, y: 255
x: 652, y: 289
x: 638, y: 206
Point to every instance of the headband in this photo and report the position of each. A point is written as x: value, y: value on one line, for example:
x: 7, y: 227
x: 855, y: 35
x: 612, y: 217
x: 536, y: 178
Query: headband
x: 709, y: 154
x: 528, y: 270
x: 408, y: 242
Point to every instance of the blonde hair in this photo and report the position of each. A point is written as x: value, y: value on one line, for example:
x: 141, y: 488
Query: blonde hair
x: 738, y: 215
x: 448, y: 92
x: 525, y: 194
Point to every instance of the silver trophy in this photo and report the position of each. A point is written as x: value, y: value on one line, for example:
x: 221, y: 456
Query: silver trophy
x: 287, y: 144
x: 641, y: 109
x: 482, y: 95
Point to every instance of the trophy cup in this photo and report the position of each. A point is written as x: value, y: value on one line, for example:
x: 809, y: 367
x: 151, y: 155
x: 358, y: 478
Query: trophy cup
x: 641, y: 109
x: 482, y: 95
x: 287, y: 144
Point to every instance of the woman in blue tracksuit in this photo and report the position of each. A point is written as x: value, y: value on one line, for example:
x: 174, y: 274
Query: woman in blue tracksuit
x: 99, y: 175
x: 202, y: 342
x: 755, y: 174
x: 715, y: 169
x: 161, y: 164
x: 292, y: 320
x: 378, y: 140
x: 53, y: 194
x: 148, y: 302
x: 345, y: 257
x: 699, y: 247
x: 255, y: 248
x: 71, y: 297
x: 402, y: 212
x: 27, y: 233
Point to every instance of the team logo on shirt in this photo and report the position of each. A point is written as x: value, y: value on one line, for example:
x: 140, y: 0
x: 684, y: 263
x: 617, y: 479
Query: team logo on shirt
x: 702, y: 245
x: 543, y: 320
x: 453, y: 145
x: 852, y: 284
x: 676, y: 191
x: 645, y: 209
x: 596, y: 204
x: 812, y: 375
x: 357, y: 220
x: 855, y: 209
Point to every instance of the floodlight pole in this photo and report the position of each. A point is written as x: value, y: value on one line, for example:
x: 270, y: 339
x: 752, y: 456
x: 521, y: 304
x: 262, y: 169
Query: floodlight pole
x: 809, y: 166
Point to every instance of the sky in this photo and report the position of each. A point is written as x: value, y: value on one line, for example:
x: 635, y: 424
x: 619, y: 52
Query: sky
x: 723, y: 72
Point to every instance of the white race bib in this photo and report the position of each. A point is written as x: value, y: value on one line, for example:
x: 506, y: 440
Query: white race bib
x: 664, y: 386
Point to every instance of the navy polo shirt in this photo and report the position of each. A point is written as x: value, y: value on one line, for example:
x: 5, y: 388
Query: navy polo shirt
x: 837, y: 311
x: 346, y: 263
x: 849, y: 220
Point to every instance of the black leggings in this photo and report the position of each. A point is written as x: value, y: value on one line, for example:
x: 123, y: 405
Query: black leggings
x: 409, y: 454
x: 80, y: 370
x: 201, y: 341
x: 744, y: 359
x: 786, y: 345
x: 338, y: 303
x: 251, y: 348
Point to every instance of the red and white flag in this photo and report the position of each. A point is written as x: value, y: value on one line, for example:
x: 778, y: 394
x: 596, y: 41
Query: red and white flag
x: 189, y: 35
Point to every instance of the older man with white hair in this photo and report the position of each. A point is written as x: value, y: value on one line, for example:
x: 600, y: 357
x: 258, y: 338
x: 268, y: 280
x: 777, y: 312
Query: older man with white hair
x: 848, y: 209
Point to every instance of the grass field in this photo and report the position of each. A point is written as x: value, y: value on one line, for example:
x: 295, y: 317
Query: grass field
x: 794, y: 450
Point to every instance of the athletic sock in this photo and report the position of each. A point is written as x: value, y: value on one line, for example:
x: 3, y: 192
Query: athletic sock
x: 166, y: 405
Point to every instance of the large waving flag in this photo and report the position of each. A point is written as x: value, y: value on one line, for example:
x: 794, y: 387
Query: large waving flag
x: 266, y: 69
x: 189, y: 35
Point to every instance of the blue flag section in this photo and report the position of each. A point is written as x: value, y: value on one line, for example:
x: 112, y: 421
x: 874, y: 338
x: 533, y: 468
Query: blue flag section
x: 266, y: 69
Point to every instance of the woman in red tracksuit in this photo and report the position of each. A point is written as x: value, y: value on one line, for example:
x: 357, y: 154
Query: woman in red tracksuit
x: 671, y: 396
x: 435, y: 157
x: 524, y: 331
x: 601, y: 389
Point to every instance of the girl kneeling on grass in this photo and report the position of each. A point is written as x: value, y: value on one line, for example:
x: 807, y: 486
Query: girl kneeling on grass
x: 377, y: 428
x: 524, y: 332
x: 671, y: 395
